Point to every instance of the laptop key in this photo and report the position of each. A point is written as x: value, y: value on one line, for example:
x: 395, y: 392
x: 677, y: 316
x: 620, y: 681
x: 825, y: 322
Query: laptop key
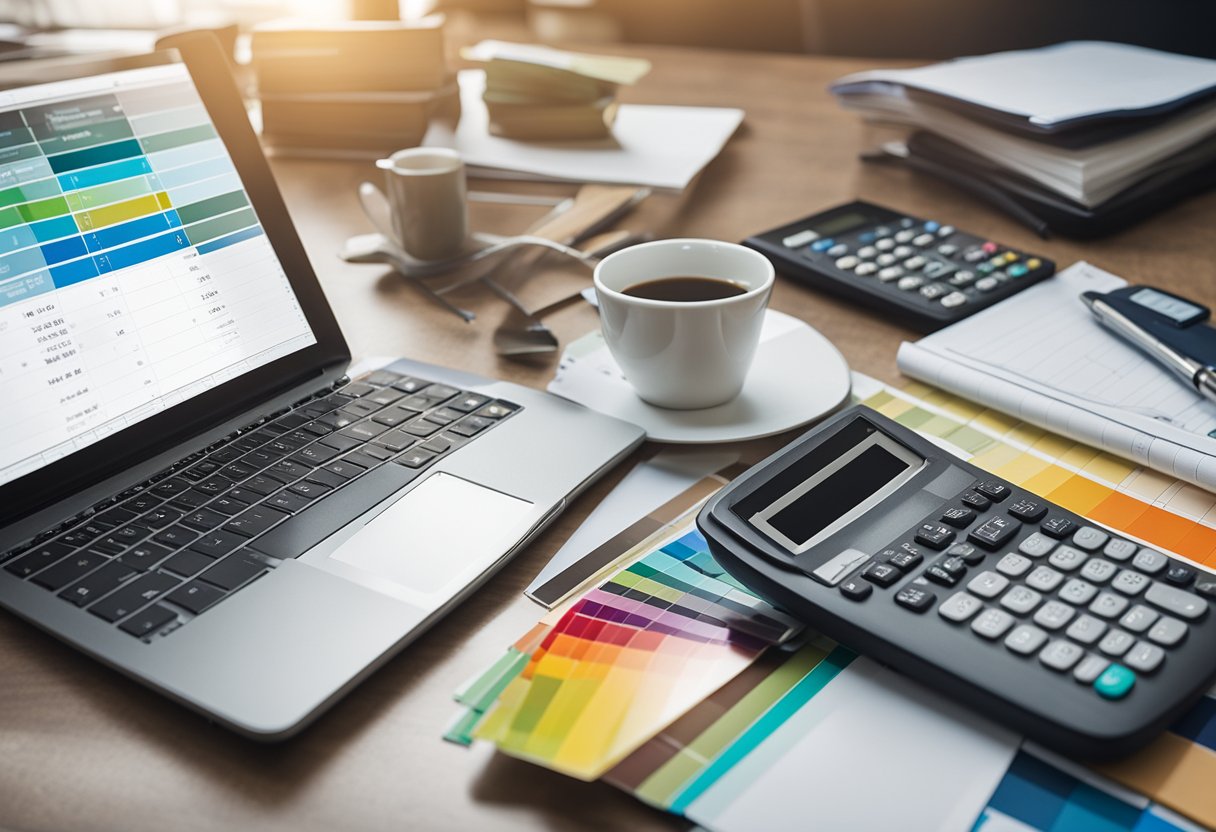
x: 234, y: 571
x: 395, y: 440
x: 325, y: 478
x: 149, y: 621
x: 97, y: 584
x: 230, y: 504
x: 204, y: 520
x: 436, y: 444
x: 394, y: 416
x: 69, y: 569
x: 144, y: 556
x: 375, y: 452
x: 133, y: 595
x: 187, y: 563
x: 260, y: 485
x: 471, y: 425
x: 195, y: 596
x: 141, y: 502
x: 415, y: 458
x: 344, y: 468
x: 190, y: 499
x: 170, y: 487
x: 286, y: 471
x: 38, y: 558
x: 421, y: 427
x: 310, y: 490
x: 160, y: 517
x: 217, y: 543
x: 254, y: 521
x: 288, y: 501
x: 77, y: 538
x: 340, y: 443
x: 175, y: 537
x: 238, y: 471
x: 314, y: 455
x: 214, y: 485
x: 362, y: 431
x: 108, y: 546
x: 116, y: 517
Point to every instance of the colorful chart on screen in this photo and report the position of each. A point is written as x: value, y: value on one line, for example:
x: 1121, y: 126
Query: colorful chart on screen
x: 134, y: 273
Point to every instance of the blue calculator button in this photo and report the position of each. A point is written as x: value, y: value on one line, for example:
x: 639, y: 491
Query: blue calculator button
x: 932, y: 226
x: 1017, y: 270
x: 1115, y: 682
x: 823, y: 245
x: 867, y: 237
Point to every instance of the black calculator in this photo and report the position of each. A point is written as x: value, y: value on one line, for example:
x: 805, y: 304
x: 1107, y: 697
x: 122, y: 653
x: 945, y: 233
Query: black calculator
x: 923, y: 272
x: 1085, y: 641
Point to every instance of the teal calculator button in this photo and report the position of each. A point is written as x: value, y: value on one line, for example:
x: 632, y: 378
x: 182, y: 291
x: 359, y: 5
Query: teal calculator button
x: 1115, y: 682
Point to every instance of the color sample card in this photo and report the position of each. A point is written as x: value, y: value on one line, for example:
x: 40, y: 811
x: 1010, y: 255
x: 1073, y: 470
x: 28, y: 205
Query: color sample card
x: 604, y: 674
x: 1139, y: 502
x: 1036, y: 795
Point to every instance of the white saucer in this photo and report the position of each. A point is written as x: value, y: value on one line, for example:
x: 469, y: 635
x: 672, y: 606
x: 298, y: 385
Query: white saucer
x: 797, y: 377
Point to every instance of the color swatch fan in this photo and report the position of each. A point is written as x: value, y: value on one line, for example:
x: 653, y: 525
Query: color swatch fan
x: 600, y: 676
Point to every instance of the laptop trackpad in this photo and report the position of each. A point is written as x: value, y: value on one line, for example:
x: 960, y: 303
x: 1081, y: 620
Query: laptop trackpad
x: 445, y: 529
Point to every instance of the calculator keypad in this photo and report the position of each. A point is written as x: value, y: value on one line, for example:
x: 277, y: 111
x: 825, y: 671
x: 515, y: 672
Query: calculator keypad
x: 1096, y: 610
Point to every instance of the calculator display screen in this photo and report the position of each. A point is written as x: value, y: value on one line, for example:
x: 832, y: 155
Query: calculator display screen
x: 842, y: 223
x: 1171, y: 307
x: 838, y: 493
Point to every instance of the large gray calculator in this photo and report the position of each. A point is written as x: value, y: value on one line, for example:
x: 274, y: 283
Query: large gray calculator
x: 1075, y: 636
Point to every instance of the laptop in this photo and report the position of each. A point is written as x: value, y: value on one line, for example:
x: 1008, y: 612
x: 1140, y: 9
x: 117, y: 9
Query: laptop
x: 192, y: 491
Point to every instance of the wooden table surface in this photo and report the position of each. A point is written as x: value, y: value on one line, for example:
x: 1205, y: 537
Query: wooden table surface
x: 83, y: 748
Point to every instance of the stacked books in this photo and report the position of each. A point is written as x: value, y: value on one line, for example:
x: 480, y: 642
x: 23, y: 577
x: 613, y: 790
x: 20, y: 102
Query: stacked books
x: 361, y: 88
x: 535, y: 93
x: 1084, y: 137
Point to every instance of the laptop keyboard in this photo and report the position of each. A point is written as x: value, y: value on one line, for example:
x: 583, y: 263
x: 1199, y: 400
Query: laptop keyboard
x: 153, y: 557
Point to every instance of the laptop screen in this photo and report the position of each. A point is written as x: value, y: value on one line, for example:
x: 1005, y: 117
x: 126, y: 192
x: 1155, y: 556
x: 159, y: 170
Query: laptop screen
x: 134, y: 271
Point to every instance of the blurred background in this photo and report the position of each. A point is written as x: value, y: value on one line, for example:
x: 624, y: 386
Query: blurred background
x: 929, y: 29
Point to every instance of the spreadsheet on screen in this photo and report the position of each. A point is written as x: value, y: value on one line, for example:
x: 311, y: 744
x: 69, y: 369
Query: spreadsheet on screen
x: 134, y: 272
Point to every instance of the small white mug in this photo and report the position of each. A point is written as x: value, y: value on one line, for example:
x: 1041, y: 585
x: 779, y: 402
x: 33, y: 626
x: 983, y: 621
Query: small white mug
x: 428, y: 197
x: 683, y: 355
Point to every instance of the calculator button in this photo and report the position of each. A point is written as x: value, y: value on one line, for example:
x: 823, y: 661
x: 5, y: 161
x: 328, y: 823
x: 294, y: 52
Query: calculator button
x: 823, y: 245
x: 885, y: 244
x: 954, y: 299
x: 1167, y: 631
x: 910, y: 282
x: 1097, y: 570
x: 1025, y: 639
x: 945, y: 231
x: 935, y: 537
x: 1108, y: 605
x: 914, y: 598
x: 914, y: 263
x: 1138, y: 619
x: 1120, y: 549
x: 1086, y: 629
x: 988, y: 584
x: 960, y: 518
x: 865, y: 270
x: 1044, y: 579
x: 1061, y: 655
x: 1013, y: 565
x: 847, y: 263
x: 1017, y: 270
x: 867, y: 252
x: 959, y: 607
x: 1144, y: 657
x: 1078, y: 592
x: 904, y: 236
x: 1180, y: 575
x: 1034, y: 263
x: 885, y: 259
x: 890, y: 273
x: 900, y: 252
x: 1115, y: 682
x: 1021, y: 600
x: 934, y: 291
x: 977, y: 501
x: 1090, y: 668
x: 1057, y: 527
x: 882, y: 231
x: 962, y: 278
x: 907, y: 222
x: 905, y: 560
x: 838, y: 250
x: 1028, y: 510
x: 855, y: 589
x: 947, y: 249
x: 994, y: 491
x: 994, y: 532
x: 932, y: 226
x: 971, y: 555
x: 947, y: 572
x: 992, y: 623
x: 923, y: 240
x: 972, y: 255
x: 1067, y: 558
x: 832, y: 571
x: 989, y: 247
x: 1207, y: 588
x: 1053, y: 615
x: 1180, y: 603
x: 1036, y: 545
x: 987, y: 284
x: 883, y: 574
x: 1130, y: 583
x: 1116, y: 643
x: 1010, y: 257
x: 802, y: 238
x: 1149, y: 561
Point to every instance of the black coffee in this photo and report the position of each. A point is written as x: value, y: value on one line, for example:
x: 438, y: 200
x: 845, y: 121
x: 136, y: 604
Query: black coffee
x: 685, y: 289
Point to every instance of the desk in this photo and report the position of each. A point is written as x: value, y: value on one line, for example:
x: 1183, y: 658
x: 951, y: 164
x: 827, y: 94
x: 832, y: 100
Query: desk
x: 83, y: 748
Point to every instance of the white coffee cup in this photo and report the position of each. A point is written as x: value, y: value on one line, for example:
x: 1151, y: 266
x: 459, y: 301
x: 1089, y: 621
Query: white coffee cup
x: 428, y: 197
x: 683, y: 355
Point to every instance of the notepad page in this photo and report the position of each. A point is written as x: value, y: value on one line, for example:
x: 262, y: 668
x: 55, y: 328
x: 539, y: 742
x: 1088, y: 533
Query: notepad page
x: 1042, y: 357
x: 1058, y: 84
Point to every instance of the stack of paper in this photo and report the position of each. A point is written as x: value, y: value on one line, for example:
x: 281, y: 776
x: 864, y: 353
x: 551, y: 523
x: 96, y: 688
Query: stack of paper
x: 1083, y: 122
x: 538, y: 93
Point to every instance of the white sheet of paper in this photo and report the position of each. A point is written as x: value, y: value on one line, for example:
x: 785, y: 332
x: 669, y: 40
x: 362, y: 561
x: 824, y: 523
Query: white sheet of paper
x: 658, y: 146
x: 649, y: 485
x: 872, y: 750
x: 1060, y: 83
